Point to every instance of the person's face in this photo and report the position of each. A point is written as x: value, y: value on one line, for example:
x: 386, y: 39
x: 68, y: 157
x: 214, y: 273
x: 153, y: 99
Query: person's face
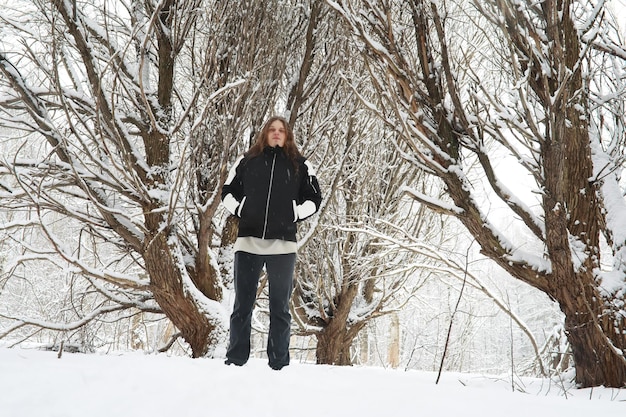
x: 276, y: 134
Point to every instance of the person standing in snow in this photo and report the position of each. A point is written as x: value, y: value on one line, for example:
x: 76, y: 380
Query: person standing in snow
x: 270, y: 189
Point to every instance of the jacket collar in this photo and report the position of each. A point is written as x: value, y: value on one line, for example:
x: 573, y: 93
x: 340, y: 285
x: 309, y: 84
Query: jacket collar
x: 269, y: 150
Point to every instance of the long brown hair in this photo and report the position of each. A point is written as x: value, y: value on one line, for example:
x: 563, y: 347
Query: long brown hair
x: 290, y: 148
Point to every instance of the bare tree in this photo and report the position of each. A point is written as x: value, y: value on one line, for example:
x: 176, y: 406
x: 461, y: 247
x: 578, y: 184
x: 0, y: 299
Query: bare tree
x: 352, y: 274
x: 343, y: 141
x: 124, y: 118
x: 516, y: 80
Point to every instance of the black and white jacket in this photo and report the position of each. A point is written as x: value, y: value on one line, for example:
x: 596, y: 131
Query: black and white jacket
x: 269, y: 196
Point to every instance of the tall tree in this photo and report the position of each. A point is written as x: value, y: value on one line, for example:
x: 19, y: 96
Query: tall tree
x: 124, y: 116
x: 517, y: 79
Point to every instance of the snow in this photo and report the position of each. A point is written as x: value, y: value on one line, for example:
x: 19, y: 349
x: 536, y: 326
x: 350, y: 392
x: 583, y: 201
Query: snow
x: 451, y: 208
x: 38, y: 383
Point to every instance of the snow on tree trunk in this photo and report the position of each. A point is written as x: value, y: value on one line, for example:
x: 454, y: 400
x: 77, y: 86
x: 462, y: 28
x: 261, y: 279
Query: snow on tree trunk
x: 178, y: 302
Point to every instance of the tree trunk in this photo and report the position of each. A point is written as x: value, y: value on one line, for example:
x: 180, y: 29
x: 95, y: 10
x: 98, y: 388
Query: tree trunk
x: 334, y: 341
x: 597, y: 358
x: 572, y: 215
x: 178, y: 304
x: 394, y: 342
x: 136, y: 325
x: 333, y: 348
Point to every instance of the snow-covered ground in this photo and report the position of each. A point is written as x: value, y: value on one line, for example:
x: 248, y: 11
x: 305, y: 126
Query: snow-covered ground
x: 38, y: 384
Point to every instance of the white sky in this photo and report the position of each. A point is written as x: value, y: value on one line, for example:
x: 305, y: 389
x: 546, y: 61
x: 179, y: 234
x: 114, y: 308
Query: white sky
x: 619, y: 7
x: 38, y: 384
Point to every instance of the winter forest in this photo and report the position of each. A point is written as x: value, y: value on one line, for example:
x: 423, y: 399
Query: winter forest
x: 470, y: 154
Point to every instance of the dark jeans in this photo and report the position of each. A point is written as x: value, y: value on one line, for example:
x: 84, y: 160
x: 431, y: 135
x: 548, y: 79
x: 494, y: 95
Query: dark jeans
x: 247, y: 270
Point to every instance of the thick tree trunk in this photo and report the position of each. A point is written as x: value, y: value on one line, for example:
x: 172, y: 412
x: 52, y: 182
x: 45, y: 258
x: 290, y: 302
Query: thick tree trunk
x: 177, y: 304
x: 573, y: 217
x: 594, y: 331
x: 597, y: 359
x: 334, y: 342
x: 333, y: 347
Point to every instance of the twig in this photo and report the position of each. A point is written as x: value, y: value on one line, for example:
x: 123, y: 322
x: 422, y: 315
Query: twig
x: 456, y: 308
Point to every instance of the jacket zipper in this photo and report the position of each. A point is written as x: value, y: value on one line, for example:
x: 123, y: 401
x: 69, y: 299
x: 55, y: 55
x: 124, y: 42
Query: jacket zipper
x: 269, y: 193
